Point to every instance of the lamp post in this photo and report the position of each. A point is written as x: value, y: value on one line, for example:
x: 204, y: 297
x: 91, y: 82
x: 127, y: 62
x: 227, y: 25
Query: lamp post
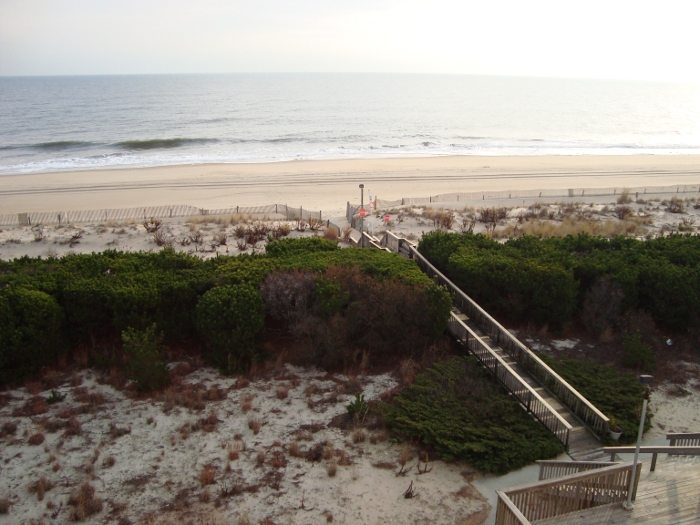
x: 645, y: 380
x: 362, y: 219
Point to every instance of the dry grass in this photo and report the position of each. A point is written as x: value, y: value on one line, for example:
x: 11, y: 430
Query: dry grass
x: 379, y: 436
x: 36, y: 439
x: 358, y: 435
x: 234, y: 450
x: 277, y: 460
x: 294, y: 449
x: 208, y: 423
x: 330, y: 234
x: 332, y: 469
x: 8, y: 429
x: 73, y: 427
x: 40, y: 487
x: 573, y: 226
x: 84, y: 502
x: 32, y: 407
x: 247, y: 402
x: 282, y: 392
x: 255, y: 424
x: 405, y: 454
x: 207, y: 475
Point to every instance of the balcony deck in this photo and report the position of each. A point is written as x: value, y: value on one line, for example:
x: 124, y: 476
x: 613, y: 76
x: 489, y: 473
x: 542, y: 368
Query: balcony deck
x: 668, y: 496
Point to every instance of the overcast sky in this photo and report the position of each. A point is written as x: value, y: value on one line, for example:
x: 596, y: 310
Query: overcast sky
x: 564, y: 38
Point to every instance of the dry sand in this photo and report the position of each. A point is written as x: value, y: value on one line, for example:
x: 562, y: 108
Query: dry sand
x: 145, y: 457
x: 329, y: 184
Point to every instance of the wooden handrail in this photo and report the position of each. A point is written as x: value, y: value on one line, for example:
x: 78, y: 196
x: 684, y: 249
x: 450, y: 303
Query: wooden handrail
x: 556, y: 469
x: 654, y: 449
x: 524, y: 393
x: 546, y: 499
x: 508, y: 513
x: 671, y: 450
x: 583, y: 409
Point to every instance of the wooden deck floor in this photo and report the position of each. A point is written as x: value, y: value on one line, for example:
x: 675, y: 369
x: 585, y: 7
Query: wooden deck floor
x: 583, y: 445
x: 668, y: 496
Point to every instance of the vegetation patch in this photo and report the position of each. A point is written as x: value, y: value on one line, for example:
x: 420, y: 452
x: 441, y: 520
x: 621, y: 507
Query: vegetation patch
x: 553, y: 281
x: 126, y: 309
x: 616, y: 394
x: 457, y: 408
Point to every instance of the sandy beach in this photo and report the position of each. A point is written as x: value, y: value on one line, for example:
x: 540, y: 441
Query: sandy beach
x: 328, y: 184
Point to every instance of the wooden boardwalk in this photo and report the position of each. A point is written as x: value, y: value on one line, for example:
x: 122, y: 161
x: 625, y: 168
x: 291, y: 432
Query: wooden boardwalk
x: 668, y: 496
x: 583, y: 445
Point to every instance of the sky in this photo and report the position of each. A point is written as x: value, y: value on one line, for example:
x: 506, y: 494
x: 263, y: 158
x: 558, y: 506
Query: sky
x: 563, y: 38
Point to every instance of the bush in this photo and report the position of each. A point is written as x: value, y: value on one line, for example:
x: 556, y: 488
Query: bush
x: 522, y: 289
x: 539, y: 280
x: 637, y: 354
x: 460, y: 410
x: 613, y: 393
x: 31, y: 327
x: 350, y: 311
x: 229, y: 319
x: 49, y: 305
x: 286, y: 247
x: 145, y: 364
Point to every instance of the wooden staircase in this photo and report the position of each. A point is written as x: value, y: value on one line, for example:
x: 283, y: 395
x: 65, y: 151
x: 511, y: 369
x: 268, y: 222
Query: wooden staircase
x: 583, y: 445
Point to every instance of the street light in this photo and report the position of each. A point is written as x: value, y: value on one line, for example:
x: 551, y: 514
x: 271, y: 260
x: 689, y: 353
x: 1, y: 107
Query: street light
x: 362, y: 219
x: 645, y: 380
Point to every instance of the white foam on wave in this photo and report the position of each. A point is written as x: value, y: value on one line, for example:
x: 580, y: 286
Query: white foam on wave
x: 494, y: 148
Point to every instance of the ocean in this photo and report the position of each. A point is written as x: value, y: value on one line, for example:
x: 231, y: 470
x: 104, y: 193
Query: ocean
x: 88, y: 122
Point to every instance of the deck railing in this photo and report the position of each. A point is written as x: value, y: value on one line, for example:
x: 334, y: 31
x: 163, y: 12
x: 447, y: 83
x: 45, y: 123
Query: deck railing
x: 556, y: 469
x: 523, y: 392
x: 583, y: 409
x: 675, y: 450
x: 684, y: 440
x: 546, y: 499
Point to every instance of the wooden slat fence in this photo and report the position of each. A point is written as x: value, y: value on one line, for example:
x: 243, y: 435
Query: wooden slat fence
x: 523, y: 392
x: 151, y: 212
x: 556, y: 469
x: 583, y: 409
x: 681, y: 190
x: 546, y: 499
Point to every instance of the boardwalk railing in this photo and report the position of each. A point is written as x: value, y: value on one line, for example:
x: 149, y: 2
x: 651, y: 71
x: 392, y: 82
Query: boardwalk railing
x: 654, y: 451
x: 557, y: 469
x: 546, y: 499
x: 523, y: 392
x: 684, y: 440
x: 583, y: 409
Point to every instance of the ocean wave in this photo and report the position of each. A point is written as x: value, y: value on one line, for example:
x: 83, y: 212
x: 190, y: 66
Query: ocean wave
x: 140, y: 145
x: 58, y: 145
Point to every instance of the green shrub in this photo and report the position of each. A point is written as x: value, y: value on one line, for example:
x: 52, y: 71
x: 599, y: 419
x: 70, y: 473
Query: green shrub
x: 549, y: 280
x: 32, y: 322
x: 637, y: 354
x: 145, y: 364
x: 287, y: 247
x: 358, y: 407
x: 230, y: 318
x: 460, y: 410
x: 614, y: 393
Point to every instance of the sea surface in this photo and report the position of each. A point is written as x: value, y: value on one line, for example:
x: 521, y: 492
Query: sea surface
x: 87, y: 122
